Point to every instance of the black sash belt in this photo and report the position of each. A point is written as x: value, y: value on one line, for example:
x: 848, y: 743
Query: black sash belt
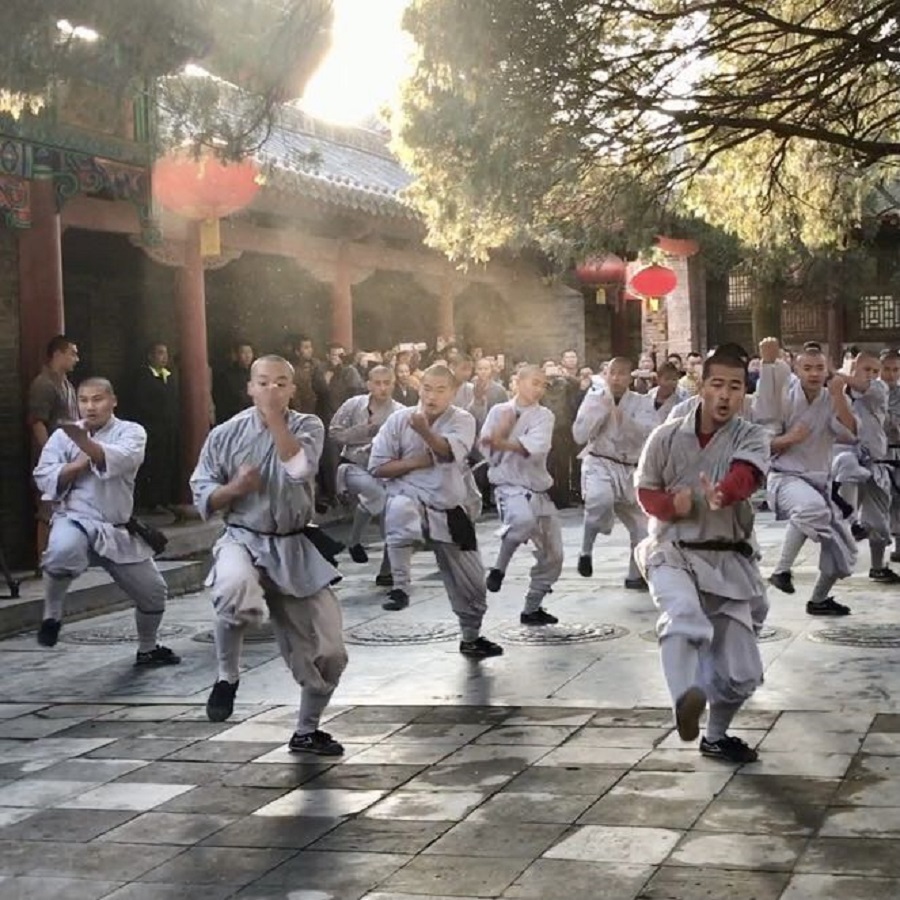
x: 621, y: 462
x: 462, y: 531
x: 326, y: 545
x: 151, y: 536
x: 742, y: 547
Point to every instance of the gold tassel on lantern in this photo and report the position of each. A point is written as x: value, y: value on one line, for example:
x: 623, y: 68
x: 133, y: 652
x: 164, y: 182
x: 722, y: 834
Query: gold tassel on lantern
x: 210, y: 238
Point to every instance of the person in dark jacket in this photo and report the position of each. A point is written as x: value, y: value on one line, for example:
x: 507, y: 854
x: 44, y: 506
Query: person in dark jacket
x: 154, y: 404
x: 230, y: 383
x: 561, y: 398
x: 404, y: 392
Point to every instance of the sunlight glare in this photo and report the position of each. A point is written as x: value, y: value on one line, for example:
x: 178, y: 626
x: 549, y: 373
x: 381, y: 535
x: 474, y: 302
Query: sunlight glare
x: 79, y: 32
x: 368, y: 59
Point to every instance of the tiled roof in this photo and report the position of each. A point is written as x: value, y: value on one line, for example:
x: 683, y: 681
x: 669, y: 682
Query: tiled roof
x: 351, y: 167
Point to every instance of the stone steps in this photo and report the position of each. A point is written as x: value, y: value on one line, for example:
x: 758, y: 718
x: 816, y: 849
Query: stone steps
x: 93, y: 594
x: 184, y: 565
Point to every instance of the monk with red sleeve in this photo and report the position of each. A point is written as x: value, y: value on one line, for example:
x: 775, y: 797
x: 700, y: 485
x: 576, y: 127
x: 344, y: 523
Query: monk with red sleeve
x: 694, y: 480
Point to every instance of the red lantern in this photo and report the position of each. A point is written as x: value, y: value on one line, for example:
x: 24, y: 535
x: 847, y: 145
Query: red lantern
x: 654, y: 281
x: 601, y: 270
x: 677, y: 246
x: 204, y: 189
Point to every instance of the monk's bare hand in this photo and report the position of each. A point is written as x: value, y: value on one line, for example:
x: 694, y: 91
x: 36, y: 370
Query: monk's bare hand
x: 837, y: 385
x: 422, y: 461
x: 798, y: 433
x: 74, y: 432
x: 247, y: 481
x: 503, y: 428
x: 714, y: 498
x: 419, y: 424
x: 769, y: 349
x: 683, y: 502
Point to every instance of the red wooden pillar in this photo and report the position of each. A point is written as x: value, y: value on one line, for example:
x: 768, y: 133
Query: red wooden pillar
x: 194, y: 378
x: 41, y: 307
x: 445, y: 319
x: 342, y: 303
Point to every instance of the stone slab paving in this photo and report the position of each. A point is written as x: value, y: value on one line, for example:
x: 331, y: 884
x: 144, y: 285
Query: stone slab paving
x: 550, y: 772
x: 498, y: 810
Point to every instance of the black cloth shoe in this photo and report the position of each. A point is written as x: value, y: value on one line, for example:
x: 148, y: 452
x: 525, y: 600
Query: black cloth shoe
x: 729, y: 749
x: 636, y: 584
x: 494, y: 580
x: 480, y: 648
x: 220, y: 703
x: 784, y: 581
x: 827, y: 607
x: 319, y: 743
x: 358, y: 553
x: 397, y: 599
x: 884, y: 576
x: 859, y: 532
x: 158, y: 656
x: 385, y: 579
x: 688, y: 709
x: 48, y: 633
x: 539, y: 617
x: 585, y: 566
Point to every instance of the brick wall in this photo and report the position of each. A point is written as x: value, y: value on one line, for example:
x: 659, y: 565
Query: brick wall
x: 543, y: 319
x: 16, y: 515
x: 697, y: 281
x: 598, y: 319
x: 679, y: 310
x: 655, y: 329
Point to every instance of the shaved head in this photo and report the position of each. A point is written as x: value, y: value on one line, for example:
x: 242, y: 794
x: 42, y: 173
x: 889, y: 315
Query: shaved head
x: 271, y: 359
x: 618, y: 375
x: 439, y: 370
x: 97, y: 384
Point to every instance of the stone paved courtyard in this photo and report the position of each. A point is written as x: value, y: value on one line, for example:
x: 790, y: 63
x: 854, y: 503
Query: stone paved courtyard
x: 550, y: 772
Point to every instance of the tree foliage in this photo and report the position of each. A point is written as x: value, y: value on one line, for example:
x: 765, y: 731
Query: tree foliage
x: 268, y: 48
x: 550, y: 119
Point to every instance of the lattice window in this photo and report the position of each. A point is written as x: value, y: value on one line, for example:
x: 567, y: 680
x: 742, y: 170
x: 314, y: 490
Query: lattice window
x: 804, y: 321
x: 879, y: 312
x: 739, y: 302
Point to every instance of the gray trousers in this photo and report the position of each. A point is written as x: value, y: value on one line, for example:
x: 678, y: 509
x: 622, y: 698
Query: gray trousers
x: 308, y: 630
x: 700, y: 644
x: 521, y: 524
x: 69, y: 554
x: 609, y: 494
x: 812, y: 513
x: 462, y: 573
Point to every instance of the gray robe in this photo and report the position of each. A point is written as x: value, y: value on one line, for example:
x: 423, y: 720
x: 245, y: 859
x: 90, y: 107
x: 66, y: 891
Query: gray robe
x: 799, y: 483
x: 355, y: 425
x: 101, y: 501
x: 673, y: 459
x: 267, y: 524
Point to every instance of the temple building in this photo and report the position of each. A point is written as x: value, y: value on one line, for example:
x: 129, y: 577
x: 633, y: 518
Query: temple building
x: 328, y: 247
